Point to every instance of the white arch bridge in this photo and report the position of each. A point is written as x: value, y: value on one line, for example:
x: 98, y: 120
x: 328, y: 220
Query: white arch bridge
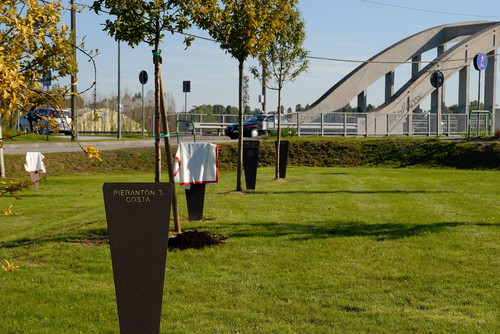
x: 400, y: 114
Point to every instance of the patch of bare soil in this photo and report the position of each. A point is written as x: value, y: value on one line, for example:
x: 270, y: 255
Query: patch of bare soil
x: 234, y: 192
x: 281, y: 180
x: 195, y: 239
x: 93, y: 242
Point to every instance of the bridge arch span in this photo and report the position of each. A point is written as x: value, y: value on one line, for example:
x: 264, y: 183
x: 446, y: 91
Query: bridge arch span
x: 471, y: 38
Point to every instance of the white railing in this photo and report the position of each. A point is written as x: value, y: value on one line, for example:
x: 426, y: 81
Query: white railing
x: 346, y: 124
x: 373, y: 124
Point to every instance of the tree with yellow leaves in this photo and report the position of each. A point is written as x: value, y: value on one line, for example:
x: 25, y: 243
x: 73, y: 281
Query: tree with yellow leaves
x: 32, y: 44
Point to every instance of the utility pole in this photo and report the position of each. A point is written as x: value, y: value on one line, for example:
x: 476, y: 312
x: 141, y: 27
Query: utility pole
x: 74, y: 110
x: 119, y: 130
x: 263, y: 99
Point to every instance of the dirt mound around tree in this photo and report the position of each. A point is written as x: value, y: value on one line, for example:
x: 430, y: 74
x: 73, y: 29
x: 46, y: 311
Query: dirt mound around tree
x: 195, y: 239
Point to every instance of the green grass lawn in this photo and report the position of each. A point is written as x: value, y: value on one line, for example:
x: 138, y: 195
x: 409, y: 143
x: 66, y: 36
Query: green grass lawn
x: 330, y: 250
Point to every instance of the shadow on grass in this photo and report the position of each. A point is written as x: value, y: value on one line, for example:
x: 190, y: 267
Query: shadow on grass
x: 353, y: 192
x: 329, y: 229
x: 294, y: 231
x: 94, y: 237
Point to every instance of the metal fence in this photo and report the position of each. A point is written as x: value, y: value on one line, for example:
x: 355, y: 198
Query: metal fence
x: 346, y: 124
x: 372, y: 124
x: 358, y: 124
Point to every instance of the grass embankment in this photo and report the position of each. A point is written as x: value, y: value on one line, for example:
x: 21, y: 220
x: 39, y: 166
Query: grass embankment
x: 331, y: 250
x: 310, y: 152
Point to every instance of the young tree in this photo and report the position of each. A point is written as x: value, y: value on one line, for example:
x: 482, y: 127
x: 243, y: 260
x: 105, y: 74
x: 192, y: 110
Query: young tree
x: 140, y: 21
x: 246, y: 28
x: 32, y: 45
x: 284, y: 61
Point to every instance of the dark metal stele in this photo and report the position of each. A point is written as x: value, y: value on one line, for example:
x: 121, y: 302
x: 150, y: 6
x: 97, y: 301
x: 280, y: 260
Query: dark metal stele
x: 138, y: 216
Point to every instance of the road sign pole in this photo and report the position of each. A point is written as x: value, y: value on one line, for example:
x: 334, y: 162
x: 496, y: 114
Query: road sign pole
x: 142, y: 121
x: 143, y: 79
x: 479, y: 92
x: 480, y: 63
x: 437, y: 80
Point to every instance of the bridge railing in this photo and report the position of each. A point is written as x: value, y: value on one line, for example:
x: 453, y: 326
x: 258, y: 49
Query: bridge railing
x: 352, y: 124
x: 343, y: 124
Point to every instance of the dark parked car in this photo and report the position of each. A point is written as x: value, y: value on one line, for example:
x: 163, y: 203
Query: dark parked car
x: 253, y: 126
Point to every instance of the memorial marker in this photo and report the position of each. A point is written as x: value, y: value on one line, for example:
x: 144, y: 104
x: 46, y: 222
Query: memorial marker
x: 250, y: 162
x: 138, y: 217
x: 283, y: 157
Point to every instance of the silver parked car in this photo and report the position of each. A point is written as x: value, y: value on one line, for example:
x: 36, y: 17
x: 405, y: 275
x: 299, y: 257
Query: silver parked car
x: 62, y: 117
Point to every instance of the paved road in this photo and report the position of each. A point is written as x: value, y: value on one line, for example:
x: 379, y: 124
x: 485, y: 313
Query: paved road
x: 100, y: 143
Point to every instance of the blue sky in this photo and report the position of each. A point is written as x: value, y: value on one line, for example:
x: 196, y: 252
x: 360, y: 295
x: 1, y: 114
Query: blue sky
x: 342, y: 29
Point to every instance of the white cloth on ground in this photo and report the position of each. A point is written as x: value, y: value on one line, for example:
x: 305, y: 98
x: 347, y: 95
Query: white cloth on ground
x: 34, y: 162
x: 196, y: 163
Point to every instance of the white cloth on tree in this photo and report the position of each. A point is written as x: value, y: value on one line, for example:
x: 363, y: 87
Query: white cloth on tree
x: 196, y: 163
x: 34, y: 162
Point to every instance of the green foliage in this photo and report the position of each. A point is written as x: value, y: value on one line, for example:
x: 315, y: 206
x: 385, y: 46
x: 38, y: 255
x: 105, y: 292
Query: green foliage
x: 231, y: 110
x: 285, y: 59
x: 246, y: 28
x: 285, y: 132
x: 219, y: 109
x: 144, y: 21
x: 387, y: 152
x: 243, y: 29
x: 348, y: 108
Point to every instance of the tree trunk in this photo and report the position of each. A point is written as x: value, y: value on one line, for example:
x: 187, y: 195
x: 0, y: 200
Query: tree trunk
x: 2, y: 165
x: 156, y: 61
x: 240, y: 120
x: 168, y: 152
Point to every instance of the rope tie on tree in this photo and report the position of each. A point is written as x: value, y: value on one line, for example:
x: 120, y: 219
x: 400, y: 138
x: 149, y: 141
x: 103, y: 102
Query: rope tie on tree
x: 157, y: 57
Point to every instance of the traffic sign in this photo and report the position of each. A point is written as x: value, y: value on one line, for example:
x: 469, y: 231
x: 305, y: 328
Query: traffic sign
x: 437, y: 79
x: 480, y: 61
x: 143, y: 77
x: 186, y: 86
x: 47, y: 80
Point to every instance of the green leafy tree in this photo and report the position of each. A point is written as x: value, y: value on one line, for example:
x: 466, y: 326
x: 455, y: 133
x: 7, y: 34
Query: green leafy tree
x: 474, y: 105
x: 284, y: 61
x: 219, y: 109
x: 230, y: 110
x: 140, y: 21
x: 245, y: 28
x: 348, y: 108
